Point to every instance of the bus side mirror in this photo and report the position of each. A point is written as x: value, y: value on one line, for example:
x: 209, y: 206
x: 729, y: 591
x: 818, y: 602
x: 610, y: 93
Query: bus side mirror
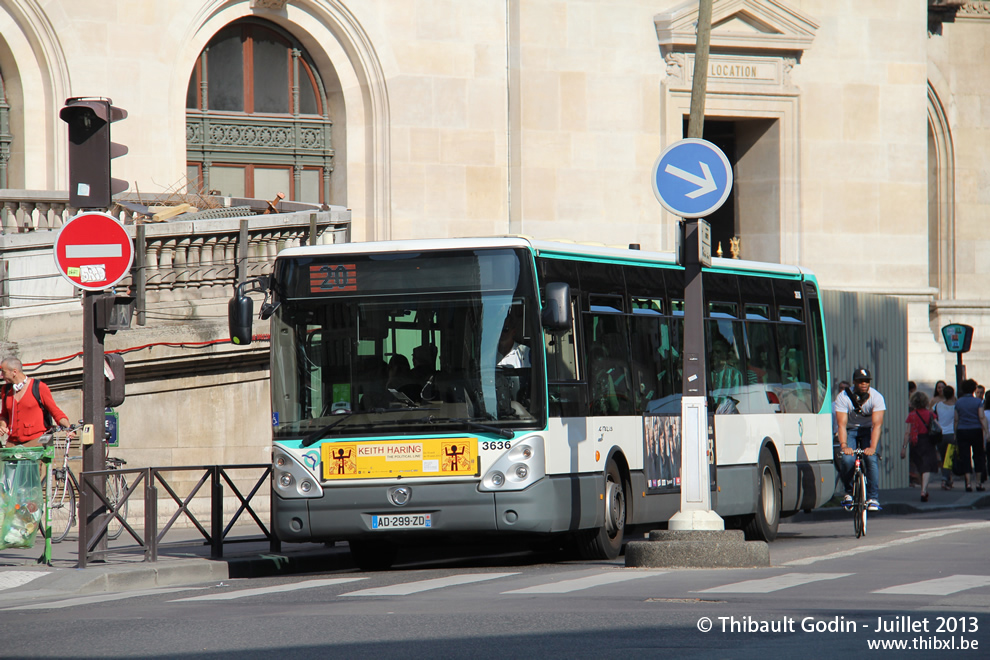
x: 240, y: 309
x: 557, y: 308
x: 240, y: 314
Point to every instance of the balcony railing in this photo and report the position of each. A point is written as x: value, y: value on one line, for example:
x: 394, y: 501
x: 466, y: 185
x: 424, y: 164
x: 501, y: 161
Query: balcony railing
x: 181, y: 260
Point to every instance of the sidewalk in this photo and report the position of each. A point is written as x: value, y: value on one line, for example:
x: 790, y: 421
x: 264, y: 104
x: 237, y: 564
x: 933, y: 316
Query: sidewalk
x: 184, y: 560
x: 905, y: 501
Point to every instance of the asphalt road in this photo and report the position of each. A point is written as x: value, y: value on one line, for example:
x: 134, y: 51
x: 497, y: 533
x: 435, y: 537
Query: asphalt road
x: 924, y: 580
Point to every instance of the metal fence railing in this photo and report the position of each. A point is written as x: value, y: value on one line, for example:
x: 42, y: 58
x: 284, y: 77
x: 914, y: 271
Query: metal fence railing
x: 147, y: 481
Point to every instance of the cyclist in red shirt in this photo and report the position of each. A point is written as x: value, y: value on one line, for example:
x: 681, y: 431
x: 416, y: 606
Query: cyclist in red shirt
x: 22, y: 417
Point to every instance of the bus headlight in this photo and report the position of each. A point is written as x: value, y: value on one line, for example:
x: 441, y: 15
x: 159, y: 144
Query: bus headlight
x: 494, y: 479
x: 518, y: 468
x: 291, y: 478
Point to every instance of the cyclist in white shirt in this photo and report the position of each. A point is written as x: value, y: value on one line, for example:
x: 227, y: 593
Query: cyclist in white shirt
x: 859, y: 413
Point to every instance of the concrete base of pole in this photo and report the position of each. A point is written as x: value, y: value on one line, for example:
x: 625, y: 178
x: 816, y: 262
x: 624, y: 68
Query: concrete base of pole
x: 692, y: 520
x: 697, y: 549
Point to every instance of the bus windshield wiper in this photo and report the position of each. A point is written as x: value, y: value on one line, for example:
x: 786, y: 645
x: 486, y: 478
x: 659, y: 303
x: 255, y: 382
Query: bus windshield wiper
x: 320, y: 433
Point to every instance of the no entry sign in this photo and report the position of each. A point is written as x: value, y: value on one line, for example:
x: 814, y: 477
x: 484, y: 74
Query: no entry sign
x: 93, y: 251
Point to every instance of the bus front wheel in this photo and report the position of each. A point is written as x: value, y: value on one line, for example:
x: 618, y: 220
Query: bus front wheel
x: 763, y: 524
x: 606, y: 541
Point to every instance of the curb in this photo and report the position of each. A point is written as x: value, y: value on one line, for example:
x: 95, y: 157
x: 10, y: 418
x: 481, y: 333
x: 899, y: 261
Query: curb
x: 177, y: 573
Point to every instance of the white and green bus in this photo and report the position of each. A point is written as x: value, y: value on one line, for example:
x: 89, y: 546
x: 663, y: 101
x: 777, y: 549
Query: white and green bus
x: 424, y: 390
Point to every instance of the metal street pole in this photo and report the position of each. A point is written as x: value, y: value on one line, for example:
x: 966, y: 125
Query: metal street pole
x: 94, y: 397
x: 696, y: 510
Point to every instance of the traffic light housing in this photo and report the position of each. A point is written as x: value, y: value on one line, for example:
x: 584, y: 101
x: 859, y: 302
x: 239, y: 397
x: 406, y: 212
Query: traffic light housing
x: 90, y: 151
x: 113, y: 312
x: 113, y: 373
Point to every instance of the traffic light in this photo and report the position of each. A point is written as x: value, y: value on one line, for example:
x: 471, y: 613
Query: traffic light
x: 90, y: 151
x: 113, y: 312
x: 113, y: 372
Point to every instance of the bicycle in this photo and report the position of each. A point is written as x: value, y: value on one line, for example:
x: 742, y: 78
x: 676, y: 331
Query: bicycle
x: 859, y: 507
x: 65, y: 486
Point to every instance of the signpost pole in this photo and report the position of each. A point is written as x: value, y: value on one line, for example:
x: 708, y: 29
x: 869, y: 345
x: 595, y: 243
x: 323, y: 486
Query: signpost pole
x: 94, y: 393
x: 94, y: 252
x: 696, y: 507
x: 960, y: 373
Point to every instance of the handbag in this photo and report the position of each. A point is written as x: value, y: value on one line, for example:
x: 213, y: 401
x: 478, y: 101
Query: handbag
x: 934, y: 428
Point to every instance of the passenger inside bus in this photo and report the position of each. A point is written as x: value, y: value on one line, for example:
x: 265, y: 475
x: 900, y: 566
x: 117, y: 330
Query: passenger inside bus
x: 424, y: 359
x: 370, y: 375
x: 611, y: 386
x: 513, y: 370
x: 726, y: 375
x: 510, y: 352
x: 398, y: 371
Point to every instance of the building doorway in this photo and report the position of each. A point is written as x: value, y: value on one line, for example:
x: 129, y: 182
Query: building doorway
x: 751, y: 213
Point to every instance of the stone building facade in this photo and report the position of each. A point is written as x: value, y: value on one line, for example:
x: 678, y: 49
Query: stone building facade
x: 858, y: 129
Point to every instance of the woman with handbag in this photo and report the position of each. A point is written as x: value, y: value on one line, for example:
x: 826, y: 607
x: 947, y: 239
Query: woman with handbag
x: 919, y: 437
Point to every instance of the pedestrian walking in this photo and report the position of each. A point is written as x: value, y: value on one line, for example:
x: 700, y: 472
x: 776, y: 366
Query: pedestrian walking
x: 25, y: 404
x: 938, y: 394
x: 971, y: 434
x: 945, y: 411
x: 924, y: 454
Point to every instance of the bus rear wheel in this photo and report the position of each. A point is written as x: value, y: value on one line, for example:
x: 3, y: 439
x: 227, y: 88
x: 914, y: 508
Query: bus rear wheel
x: 606, y: 541
x: 763, y: 525
x: 373, y: 555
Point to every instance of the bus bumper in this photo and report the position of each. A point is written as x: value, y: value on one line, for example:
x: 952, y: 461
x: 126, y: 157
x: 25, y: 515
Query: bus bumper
x: 550, y: 505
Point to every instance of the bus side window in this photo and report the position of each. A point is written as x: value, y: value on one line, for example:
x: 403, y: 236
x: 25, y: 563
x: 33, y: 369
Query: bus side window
x: 725, y: 366
x: 652, y: 355
x: 610, y: 375
x: 794, y: 368
x: 818, y: 343
x: 761, y: 389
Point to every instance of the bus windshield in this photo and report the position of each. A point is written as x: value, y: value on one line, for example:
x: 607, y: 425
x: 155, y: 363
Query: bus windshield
x: 406, y: 343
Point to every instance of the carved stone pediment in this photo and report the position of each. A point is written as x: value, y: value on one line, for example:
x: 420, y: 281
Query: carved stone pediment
x: 738, y: 25
x: 275, y: 5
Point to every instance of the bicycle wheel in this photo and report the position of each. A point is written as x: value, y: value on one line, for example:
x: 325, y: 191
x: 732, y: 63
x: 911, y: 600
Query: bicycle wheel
x: 116, y: 487
x: 62, y: 504
x: 859, y: 504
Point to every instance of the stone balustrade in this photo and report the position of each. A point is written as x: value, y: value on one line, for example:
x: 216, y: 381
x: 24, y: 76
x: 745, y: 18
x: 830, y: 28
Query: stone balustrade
x: 33, y: 210
x: 181, y: 260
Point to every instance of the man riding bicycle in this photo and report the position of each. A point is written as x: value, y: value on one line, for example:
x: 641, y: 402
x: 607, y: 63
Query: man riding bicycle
x: 859, y: 415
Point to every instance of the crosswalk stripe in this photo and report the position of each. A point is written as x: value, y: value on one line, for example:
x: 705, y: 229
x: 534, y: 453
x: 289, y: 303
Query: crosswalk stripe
x: 768, y: 585
x: 938, y: 586
x: 587, y: 582
x: 427, y: 585
x: 11, y: 579
x: 99, y: 598
x: 258, y: 591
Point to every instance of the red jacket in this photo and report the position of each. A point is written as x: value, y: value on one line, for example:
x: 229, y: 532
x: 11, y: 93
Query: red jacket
x: 25, y: 418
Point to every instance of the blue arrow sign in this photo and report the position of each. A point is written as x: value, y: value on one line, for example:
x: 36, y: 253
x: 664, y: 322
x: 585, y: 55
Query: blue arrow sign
x: 692, y: 178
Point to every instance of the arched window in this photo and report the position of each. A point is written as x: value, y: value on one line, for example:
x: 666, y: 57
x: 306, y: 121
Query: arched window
x: 257, y: 121
x: 941, y: 199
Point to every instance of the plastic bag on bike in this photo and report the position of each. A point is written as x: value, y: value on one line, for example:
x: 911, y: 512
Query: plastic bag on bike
x: 21, y: 501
